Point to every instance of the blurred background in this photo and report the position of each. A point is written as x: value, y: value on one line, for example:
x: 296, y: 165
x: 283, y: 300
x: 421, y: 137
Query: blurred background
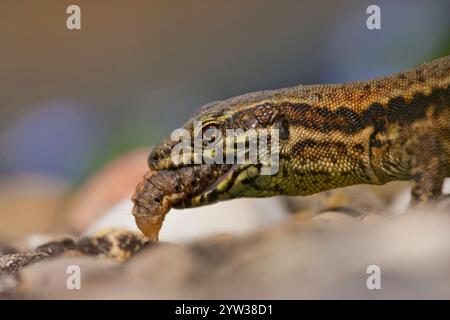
x: 82, y: 106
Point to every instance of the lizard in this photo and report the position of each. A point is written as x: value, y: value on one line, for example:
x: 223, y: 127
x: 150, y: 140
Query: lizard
x: 393, y: 128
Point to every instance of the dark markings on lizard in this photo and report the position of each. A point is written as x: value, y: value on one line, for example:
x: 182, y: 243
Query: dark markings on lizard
x: 397, y: 110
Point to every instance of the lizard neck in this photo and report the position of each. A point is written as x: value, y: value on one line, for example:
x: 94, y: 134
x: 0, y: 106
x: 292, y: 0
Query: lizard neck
x: 365, y: 132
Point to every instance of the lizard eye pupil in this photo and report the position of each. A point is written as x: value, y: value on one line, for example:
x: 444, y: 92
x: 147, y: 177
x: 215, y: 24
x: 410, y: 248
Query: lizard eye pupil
x: 208, y: 140
x: 209, y: 133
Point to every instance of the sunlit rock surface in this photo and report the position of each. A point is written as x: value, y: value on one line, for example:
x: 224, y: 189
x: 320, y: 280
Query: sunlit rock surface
x: 291, y: 259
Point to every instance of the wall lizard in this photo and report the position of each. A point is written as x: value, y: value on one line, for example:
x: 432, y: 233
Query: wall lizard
x: 331, y: 135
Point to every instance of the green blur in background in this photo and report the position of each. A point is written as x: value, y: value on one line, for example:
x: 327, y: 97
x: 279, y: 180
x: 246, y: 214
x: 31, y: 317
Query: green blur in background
x: 72, y: 100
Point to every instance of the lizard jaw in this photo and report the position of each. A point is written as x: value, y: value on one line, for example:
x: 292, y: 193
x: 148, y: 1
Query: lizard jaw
x: 211, y: 193
x: 229, y: 185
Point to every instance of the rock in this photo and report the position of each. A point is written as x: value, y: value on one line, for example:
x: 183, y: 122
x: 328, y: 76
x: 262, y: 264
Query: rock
x: 289, y: 260
x: 235, y: 217
x: 49, y: 279
x: 118, y: 244
x: 387, y: 192
x: 14, y: 262
x: 401, y: 201
x: 111, y: 243
x: 8, y: 286
x: 332, y: 218
x: 354, y: 201
x: 372, y: 218
x: 446, y: 187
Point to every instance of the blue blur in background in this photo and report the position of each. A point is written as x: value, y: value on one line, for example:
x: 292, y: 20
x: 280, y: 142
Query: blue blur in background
x: 71, y: 100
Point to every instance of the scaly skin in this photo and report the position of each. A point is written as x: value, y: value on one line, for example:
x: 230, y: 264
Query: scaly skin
x: 370, y: 132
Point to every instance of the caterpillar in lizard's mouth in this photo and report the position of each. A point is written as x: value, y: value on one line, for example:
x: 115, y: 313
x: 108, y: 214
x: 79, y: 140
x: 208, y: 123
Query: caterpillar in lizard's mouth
x: 184, y: 187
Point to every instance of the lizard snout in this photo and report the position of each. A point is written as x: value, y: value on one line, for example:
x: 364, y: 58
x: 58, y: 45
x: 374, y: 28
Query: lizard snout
x: 159, y: 157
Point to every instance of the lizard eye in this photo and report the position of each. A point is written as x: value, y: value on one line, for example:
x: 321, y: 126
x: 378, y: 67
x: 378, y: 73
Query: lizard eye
x: 283, y: 128
x: 208, y: 140
x: 210, y: 133
x: 208, y: 127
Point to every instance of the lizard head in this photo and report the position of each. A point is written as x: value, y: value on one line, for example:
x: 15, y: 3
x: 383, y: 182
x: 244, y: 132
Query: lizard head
x: 230, y: 136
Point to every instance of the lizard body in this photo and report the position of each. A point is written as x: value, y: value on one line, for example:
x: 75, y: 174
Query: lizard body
x: 335, y: 135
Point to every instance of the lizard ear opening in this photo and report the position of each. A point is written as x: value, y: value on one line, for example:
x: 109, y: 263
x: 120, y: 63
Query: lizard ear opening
x: 282, y: 125
x: 248, y: 121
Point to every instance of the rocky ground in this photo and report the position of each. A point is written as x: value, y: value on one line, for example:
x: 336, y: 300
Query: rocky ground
x: 330, y: 245
x: 328, y: 257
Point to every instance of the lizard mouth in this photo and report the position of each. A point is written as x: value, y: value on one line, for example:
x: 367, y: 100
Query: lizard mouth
x: 183, y: 187
x: 169, y: 184
x: 216, y: 190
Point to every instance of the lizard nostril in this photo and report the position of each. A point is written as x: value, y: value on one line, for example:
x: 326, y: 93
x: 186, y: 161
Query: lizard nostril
x: 166, y: 151
x: 153, y: 157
